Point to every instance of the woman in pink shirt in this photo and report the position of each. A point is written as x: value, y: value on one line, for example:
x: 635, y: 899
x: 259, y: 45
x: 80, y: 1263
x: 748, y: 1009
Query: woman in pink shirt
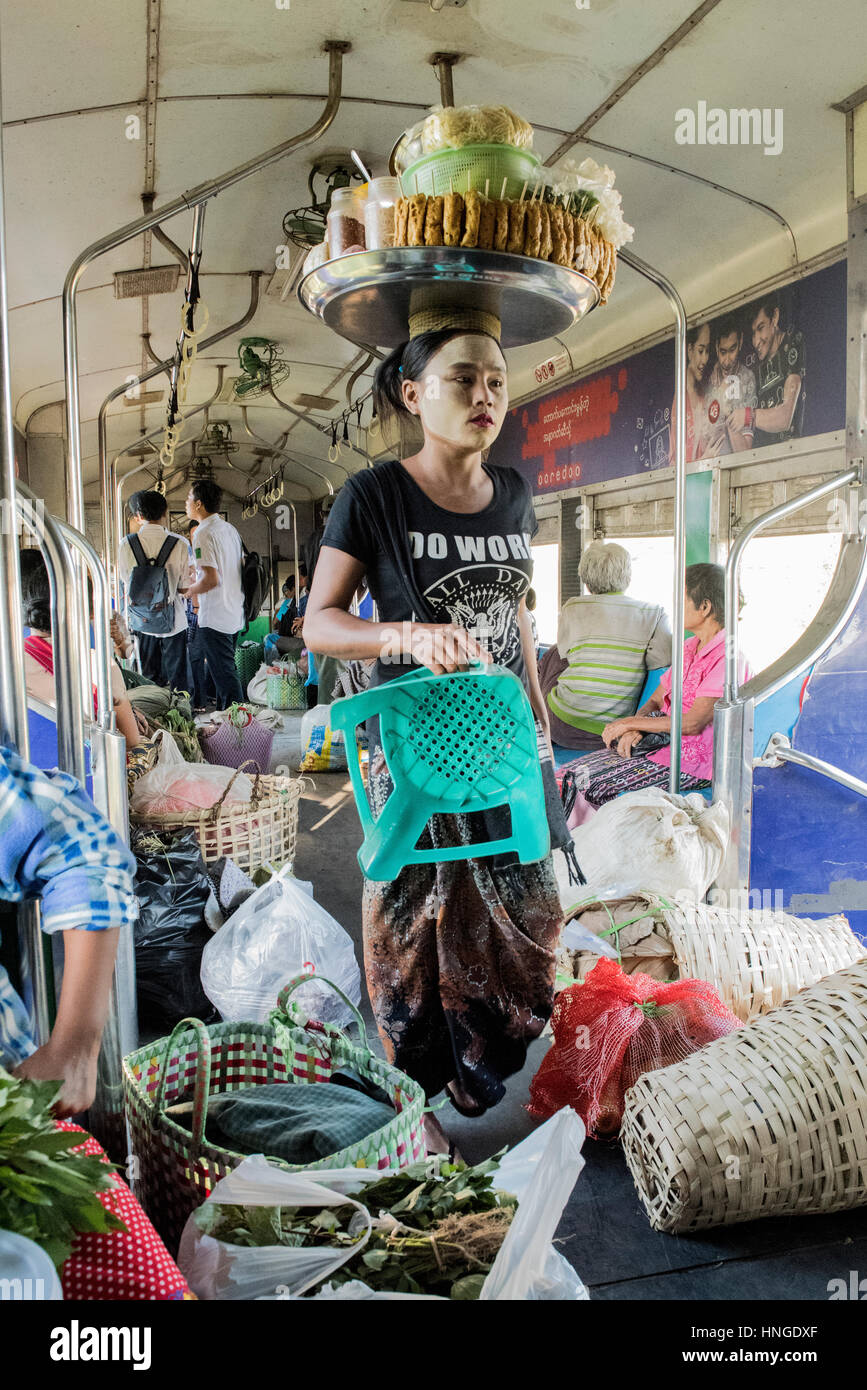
x: 626, y: 765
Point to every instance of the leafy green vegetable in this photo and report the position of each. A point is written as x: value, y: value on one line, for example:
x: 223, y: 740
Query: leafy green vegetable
x: 433, y: 1233
x: 47, y: 1193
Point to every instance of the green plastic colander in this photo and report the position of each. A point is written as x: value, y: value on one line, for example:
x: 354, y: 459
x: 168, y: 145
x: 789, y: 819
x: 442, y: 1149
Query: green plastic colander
x: 471, y: 167
x: 459, y: 742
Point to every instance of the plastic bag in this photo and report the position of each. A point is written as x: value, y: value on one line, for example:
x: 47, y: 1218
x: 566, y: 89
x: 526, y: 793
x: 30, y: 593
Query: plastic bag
x: 172, y: 888
x: 653, y: 840
x: 323, y: 749
x: 612, y: 1029
x: 541, y: 1172
x: 176, y: 785
x: 279, y: 932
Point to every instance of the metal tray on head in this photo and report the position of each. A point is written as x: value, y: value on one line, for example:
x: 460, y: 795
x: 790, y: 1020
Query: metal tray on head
x: 369, y: 295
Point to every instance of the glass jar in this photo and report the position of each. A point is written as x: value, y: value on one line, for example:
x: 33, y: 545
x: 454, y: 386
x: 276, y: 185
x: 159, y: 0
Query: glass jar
x: 345, y: 222
x: 379, y: 213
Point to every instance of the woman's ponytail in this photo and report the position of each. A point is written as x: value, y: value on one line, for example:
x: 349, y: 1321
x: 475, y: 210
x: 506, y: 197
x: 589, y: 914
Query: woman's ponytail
x: 387, y: 379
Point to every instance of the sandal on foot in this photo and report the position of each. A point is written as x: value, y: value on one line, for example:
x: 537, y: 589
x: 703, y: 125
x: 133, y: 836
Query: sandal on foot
x: 468, y: 1114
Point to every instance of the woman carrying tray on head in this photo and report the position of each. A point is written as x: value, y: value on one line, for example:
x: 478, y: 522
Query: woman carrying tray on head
x: 459, y: 956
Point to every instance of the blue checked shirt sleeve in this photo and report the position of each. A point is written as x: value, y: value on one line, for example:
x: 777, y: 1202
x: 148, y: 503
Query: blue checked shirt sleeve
x: 55, y: 845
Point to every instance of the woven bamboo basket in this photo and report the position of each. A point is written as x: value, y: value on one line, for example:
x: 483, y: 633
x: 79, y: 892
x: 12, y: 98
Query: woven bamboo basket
x: 261, y: 831
x: 757, y: 959
x: 769, y: 1121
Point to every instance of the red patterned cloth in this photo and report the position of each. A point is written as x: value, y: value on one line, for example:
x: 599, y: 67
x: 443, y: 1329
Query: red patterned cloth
x: 132, y: 1265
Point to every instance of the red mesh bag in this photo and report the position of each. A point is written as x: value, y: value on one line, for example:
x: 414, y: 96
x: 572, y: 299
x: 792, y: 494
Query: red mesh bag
x: 611, y: 1029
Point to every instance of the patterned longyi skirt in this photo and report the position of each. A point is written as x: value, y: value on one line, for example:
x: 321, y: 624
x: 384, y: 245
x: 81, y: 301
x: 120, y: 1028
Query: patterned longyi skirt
x: 460, y: 959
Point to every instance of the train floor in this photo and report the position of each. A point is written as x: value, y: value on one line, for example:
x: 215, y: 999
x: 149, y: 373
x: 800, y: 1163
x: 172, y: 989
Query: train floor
x: 604, y: 1232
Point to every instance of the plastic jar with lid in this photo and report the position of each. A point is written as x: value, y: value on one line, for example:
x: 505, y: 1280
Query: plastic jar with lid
x: 379, y: 213
x: 346, y: 222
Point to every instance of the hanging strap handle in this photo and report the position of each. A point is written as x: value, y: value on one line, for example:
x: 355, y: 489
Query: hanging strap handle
x: 288, y: 990
x: 203, y: 1076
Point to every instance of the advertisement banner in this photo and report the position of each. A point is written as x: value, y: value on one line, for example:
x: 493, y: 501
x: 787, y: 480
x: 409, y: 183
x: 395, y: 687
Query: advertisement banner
x: 767, y: 372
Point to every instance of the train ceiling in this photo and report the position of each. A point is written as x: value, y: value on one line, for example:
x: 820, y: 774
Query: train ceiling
x: 213, y: 82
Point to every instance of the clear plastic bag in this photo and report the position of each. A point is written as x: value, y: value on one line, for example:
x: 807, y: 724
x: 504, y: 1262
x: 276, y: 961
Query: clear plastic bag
x: 279, y: 932
x: 175, y: 785
x: 541, y: 1172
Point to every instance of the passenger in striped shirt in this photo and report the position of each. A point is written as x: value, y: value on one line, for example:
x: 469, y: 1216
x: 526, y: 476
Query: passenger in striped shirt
x: 609, y: 642
x: 56, y: 846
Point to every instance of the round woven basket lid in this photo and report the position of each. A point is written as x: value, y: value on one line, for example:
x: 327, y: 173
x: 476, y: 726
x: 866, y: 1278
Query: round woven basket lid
x: 430, y: 319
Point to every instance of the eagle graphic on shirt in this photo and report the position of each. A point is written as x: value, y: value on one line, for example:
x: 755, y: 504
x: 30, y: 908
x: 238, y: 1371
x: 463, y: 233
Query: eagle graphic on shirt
x: 484, y: 599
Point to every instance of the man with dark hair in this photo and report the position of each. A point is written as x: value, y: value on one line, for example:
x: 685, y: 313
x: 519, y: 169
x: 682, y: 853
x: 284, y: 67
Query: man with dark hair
x: 731, y: 387
x: 779, y: 414
x: 218, y: 555
x: 162, y: 635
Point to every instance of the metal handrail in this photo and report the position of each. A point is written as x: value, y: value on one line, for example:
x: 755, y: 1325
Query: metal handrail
x: 779, y: 749
x: 118, y: 484
x: 674, y: 299
x: 277, y: 449
x: 101, y: 629
x: 733, y: 563
x: 66, y: 653
x: 184, y: 202
x: 107, y: 473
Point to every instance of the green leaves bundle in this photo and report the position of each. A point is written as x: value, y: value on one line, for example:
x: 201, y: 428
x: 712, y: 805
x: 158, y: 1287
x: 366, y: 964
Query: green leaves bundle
x: 432, y: 1233
x: 46, y: 1193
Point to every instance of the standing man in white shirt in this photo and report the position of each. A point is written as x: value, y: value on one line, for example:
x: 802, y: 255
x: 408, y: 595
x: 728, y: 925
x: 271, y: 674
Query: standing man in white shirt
x: 218, y: 557
x: 162, y: 642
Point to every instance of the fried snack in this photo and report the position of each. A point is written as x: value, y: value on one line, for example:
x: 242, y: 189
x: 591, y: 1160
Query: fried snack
x: 558, y: 235
x: 532, y: 230
x: 569, y: 238
x: 415, y: 219
x: 472, y: 211
x: 501, y: 227
x: 592, y: 259
x: 545, y: 242
x: 517, y: 218
x: 605, y: 267
x: 487, y: 222
x: 609, y: 283
x: 400, y: 221
x: 580, y: 259
x: 433, y: 221
x: 453, y: 218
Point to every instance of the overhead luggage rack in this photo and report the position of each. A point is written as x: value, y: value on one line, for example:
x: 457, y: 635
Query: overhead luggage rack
x: 368, y: 296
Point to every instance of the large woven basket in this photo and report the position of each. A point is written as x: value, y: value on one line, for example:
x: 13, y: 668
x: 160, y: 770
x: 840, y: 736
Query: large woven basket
x: 284, y: 687
x: 261, y: 831
x: 769, y: 1121
x: 177, y: 1169
x: 757, y: 959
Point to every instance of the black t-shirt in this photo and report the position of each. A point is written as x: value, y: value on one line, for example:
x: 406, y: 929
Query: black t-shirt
x: 473, y: 568
x: 788, y: 360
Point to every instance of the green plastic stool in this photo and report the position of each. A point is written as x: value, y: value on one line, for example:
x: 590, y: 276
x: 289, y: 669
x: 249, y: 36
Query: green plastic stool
x: 459, y: 742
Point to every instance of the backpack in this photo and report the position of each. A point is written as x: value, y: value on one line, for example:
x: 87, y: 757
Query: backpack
x: 255, y: 579
x: 151, y: 602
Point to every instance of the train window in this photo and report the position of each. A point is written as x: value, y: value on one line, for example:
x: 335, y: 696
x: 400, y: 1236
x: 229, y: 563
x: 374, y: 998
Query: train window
x: 652, y: 568
x: 546, y: 583
x: 783, y: 580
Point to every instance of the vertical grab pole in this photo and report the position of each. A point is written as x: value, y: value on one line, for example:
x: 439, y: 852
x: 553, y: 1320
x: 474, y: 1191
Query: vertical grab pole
x: 108, y: 761
x: 676, y: 303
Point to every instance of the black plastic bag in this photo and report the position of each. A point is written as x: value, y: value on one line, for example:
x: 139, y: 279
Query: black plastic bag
x: 172, y: 887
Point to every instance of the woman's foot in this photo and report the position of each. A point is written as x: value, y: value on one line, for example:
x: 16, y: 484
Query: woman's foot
x: 463, y: 1102
x: 436, y: 1141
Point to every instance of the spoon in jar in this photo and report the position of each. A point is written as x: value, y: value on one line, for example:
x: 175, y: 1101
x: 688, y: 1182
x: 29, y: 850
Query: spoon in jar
x: 356, y: 159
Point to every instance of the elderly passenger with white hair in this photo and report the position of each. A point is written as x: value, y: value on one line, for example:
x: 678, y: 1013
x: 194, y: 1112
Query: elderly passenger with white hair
x: 606, y: 643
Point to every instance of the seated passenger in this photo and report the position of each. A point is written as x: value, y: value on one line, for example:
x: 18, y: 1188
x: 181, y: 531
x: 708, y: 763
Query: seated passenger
x: 286, y: 637
x: 624, y: 766
x: 39, y: 652
x: 606, y: 643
